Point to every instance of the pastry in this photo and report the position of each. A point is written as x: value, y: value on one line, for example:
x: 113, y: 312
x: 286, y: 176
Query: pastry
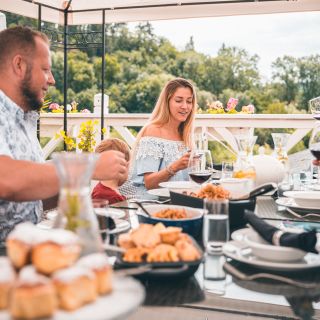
x: 33, y: 296
x: 7, y: 277
x: 75, y: 286
x: 163, y: 253
x: 98, y: 263
x: 125, y: 241
x: 170, y: 235
x: 187, y: 251
x: 55, y: 249
x: 147, y: 235
x: 19, y: 243
x: 136, y: 255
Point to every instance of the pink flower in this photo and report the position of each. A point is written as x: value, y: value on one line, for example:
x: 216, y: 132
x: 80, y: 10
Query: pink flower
x: 54, y: 106
x: 250, y: 108
x: 232, y: 103
x: 85, y: 111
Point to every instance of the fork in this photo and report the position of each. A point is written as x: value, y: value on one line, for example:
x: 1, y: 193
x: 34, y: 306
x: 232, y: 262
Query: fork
x: 301, y: 216
x: 242, y: 276
x: 149, y: 201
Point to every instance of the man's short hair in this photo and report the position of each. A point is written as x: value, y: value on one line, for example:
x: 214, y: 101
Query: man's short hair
x: 114, y: 144
x: 18, y: 40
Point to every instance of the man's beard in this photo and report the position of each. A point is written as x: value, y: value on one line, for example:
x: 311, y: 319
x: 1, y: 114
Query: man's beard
x: 32, y: 102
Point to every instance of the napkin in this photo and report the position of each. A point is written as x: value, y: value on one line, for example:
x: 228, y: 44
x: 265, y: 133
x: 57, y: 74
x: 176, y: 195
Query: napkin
x: 305, y: 241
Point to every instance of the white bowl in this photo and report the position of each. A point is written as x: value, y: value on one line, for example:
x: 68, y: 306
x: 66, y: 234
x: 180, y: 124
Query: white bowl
x: 237, y: 187
x: 179, y: 186
x: 305, y: 198
x: 263, y: 250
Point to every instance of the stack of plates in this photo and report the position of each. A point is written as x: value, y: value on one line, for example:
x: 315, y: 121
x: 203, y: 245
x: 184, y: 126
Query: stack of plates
x: 301, y: 201
x: 249, y: 248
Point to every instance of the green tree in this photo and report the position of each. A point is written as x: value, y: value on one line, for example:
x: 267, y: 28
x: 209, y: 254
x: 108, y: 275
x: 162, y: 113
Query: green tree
x: 286, y: 73
x: 309, y: 79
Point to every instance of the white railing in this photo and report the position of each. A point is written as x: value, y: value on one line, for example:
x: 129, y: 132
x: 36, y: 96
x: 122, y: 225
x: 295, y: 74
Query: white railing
x: 222, y: 127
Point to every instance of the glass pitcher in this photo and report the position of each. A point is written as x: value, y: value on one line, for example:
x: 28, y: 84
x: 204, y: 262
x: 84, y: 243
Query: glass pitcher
x: 75, y: 210
x: 244, y: 167
x: 280, y: 141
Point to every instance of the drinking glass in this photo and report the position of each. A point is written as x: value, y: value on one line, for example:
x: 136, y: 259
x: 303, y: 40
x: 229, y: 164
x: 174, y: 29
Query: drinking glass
x: 227, y: 170
x: 215, y: 225
x: 200, y: 166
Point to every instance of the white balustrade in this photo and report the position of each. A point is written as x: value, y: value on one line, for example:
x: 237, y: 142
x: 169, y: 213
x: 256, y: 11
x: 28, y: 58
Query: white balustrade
x: 219, y: 127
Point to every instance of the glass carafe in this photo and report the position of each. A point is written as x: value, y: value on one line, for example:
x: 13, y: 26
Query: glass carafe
x: 244, y: 167
x: 75, y: 210
x: 280, y: 141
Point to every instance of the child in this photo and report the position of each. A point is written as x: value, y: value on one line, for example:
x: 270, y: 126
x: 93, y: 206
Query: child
x: 108, y: 189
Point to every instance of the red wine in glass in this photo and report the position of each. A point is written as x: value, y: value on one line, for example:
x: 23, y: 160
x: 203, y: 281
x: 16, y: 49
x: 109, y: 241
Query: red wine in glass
x: 315, y: 153
x: 200, y: 177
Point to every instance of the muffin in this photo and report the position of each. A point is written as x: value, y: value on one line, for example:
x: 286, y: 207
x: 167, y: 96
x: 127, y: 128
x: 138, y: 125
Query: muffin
x: 75, y: 286
x: 55, y: 249
x: 98, y: 263
x: 7, y: 277
x: 33, y: 296
x: 19, y: 243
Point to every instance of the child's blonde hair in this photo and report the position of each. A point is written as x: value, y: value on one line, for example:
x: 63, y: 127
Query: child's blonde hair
x: 114, y: 144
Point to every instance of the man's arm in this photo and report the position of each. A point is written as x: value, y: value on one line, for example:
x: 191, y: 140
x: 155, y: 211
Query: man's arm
x: 26, y: 181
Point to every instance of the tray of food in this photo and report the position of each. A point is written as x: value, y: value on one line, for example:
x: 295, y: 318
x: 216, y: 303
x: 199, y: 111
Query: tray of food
x: 210, y: 191
x: 167, y: 250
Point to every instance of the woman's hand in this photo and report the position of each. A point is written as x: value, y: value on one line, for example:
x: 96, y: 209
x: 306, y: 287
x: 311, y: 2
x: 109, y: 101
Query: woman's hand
x: 181, y: 163
x: 152, y: 180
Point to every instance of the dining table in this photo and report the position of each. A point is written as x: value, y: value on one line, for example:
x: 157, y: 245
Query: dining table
x: 230, y: 296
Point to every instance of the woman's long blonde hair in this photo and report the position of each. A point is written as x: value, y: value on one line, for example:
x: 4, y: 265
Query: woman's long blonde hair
x: 161, y: 112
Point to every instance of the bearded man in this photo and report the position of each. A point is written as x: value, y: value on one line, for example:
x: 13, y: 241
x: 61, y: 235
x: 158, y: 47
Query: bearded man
x: 25, y: 179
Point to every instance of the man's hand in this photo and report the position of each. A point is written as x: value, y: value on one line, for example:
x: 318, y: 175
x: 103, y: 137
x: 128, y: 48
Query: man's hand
x: 111, y: 165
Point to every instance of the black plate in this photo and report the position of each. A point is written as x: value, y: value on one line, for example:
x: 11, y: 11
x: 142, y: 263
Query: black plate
x: 180, y: 269
x: 236, y: 207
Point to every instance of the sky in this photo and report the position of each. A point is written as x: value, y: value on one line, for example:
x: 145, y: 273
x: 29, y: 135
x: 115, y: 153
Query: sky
x: 269, y: 35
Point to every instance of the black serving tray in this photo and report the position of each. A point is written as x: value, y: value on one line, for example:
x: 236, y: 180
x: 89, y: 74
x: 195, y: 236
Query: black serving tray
x: 180, y: 269
x: 236, y: 207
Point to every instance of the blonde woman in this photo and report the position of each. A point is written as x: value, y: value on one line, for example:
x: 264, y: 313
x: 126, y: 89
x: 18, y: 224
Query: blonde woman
x: 162, y: 148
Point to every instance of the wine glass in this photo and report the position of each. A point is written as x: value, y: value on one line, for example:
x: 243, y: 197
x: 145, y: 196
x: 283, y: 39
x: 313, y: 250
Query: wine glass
x: 314, y: 142
x: 200, y: 166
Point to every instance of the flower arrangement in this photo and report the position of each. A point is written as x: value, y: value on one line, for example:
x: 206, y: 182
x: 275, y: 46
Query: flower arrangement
x: 88, y: 131
x: 216, y: 107
x: 56, y: 108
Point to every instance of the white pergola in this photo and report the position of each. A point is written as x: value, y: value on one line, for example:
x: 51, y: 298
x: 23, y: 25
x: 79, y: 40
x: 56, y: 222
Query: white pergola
x: 91, y: 11
x: 80, y: 12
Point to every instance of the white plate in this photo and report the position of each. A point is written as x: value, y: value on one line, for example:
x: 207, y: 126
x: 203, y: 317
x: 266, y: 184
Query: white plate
x: 121, y: 226
x: 304, y: 198
x: 160, y: 192
x: 265, y: 251
x: 111, y: 212
x: 290, y: 203
x: 179, y: 185
x: 236, y: 251
x: 127, y: 290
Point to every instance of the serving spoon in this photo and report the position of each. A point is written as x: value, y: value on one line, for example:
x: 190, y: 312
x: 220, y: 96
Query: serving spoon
x: 144, y: 209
